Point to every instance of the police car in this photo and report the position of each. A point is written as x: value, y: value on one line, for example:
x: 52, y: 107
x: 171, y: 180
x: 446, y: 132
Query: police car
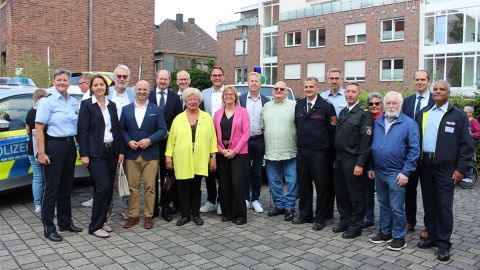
x: 15, y: 170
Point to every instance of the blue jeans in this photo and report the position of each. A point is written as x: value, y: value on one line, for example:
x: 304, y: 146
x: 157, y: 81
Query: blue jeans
x: 37, y: 181
x: 275, y: 169
x: 391, y: 199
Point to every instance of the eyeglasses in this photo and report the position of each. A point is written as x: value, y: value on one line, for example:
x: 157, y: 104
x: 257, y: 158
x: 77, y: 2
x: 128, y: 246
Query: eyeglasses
x: 373, y: 103
x: 278, y: 89
x: 229, y: 95
x: 217, y: 75
x: 334, y: 78
x: 122, y: 76
x: 82, y: 82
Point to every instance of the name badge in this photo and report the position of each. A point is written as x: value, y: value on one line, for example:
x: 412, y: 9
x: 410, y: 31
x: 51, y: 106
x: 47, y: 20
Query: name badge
x: 449, y: 129
x: 451, y: 123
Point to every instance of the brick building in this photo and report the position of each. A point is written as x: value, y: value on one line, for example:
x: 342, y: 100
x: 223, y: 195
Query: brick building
x: 119, y: 34
x: 374, y: 42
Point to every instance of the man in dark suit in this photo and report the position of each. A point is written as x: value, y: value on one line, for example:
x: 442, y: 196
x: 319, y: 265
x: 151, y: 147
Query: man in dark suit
x: 143, y: 127
x: 170, y: 103
x: 412, y: 105
x: 253, y: 101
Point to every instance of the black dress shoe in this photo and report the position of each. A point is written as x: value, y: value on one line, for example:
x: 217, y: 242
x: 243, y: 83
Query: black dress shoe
x: 71, y: 228
x: 289, y: 214
x: 226, y: 218
x: 318, y: 226
x: 54, y: 236
x: 166, y: 215
x: 351, y: 234
x: 339, y: 228
x: 198, y: 221
x: 300, y: 220
x: 443, y: 254
x: 426, y: 243
x: 276, y: 212
x: 183, y: 221
x: 240, y: 220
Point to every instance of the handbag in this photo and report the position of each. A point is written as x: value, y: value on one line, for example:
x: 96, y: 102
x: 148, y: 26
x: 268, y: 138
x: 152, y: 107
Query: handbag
x: 123, y: 189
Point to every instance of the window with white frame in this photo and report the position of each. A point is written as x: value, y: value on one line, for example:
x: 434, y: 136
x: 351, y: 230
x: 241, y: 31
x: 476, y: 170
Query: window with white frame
x: 271, y: 12
x: 355, y: 70
x: 270, y: 72
x: 391, y: 69
x: 293, y: 72
x: 393, y: 29
x: 238, y: 75
x: 270, y: 44
x: 316, y: 38
x: 316, y: 70
x: 293, y: 39
x: 459, y: 69
x: 355, y: 33
x: 239, y: 47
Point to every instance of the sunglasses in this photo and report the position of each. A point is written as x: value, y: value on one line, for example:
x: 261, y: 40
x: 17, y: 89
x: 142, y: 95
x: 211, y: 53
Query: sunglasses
x: 122, y: 76
x: 278, y: 89
x: 373, y: 103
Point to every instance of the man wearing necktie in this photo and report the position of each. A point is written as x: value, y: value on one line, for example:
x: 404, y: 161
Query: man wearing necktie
x: 169, y: 103
x: 412, y: 105
x: 183, y: 82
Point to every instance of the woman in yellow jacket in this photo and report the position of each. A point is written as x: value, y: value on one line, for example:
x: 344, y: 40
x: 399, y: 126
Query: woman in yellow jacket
x: 191, y: 152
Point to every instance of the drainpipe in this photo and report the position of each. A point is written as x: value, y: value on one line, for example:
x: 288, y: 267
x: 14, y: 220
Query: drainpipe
x: 90, y: 34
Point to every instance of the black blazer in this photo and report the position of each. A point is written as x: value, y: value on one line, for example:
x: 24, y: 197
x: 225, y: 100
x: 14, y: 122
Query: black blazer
x: 408, y: 106
x: 172, y: 108
x: 243, y: 100
x: 91, y: 129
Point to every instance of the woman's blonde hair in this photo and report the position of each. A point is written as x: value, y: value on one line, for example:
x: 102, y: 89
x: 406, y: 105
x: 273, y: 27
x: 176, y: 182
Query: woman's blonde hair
x: 230, y: 88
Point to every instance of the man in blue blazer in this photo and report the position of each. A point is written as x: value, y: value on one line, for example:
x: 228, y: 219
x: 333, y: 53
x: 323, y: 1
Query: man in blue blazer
x: 412, y: 105
x: 170, y: 103
x: 143, y: 127
x: 253, y: 101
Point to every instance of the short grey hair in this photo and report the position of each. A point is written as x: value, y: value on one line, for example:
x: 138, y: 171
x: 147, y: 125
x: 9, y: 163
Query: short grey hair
x: 124, y: 67
x: 184, y: 72
x: 443, y: 82
x: 168, y: 72
x: 334, y: 70
x: 192, y: 91
x: 469, y: 109
x: 393, y: 93
x: 60, y: 71
x: 374, y: 95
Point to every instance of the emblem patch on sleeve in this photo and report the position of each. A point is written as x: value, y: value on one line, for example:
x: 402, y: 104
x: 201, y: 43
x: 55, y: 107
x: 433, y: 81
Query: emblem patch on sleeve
x: 368, y: 131
x: 333, y: 120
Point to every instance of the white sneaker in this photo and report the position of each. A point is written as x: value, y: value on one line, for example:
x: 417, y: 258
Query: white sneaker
x: 88, y: 203
x: 38, y: 209
x: 107, y: 228
x: 257, y: 206
x: 101, y: 233
x: 219, y: 209
x: 207, y: 207
x: 247, y: 203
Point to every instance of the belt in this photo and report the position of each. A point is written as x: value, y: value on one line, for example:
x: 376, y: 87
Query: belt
x: 108, y: 144
x: 65, y: 139
x: 256, y: 137
x: 428, y: 155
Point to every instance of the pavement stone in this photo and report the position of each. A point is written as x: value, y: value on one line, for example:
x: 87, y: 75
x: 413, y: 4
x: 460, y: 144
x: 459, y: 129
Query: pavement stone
x: 263, y: 243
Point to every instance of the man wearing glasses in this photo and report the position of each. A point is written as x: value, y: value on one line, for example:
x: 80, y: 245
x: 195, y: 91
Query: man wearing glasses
x: 183, y: 82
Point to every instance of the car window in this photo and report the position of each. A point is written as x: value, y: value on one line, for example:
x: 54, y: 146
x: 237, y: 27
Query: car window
x: 15, y: 109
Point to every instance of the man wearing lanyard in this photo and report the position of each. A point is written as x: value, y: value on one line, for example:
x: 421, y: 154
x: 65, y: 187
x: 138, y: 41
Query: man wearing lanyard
x: 447, y: 149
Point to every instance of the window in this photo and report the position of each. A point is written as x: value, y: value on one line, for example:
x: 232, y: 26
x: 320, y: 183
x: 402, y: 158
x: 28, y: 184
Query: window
x: 15, y: 109
x: 393, y: 29
x: 316, y: 70
x: 459, y: 69
x: 355, y: 33
x: 270, y: 44
x: 391, y: 70
x: 239, y: 47
x: 238, y: 76
x: 293, y: 39
x: 316, y: 38
x: 270, y: 72
x: 355, y: 70
x: 271, y: 13
x: 452, y: 27
x: 158, y: 65
x: 293, y: 72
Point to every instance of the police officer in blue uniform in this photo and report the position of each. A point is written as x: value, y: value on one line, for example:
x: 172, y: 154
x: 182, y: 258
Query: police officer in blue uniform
x: 56, y: 127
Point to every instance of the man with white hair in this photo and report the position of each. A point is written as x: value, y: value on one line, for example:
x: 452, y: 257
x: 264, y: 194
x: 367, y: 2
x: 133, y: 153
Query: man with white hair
x: 395, y: 153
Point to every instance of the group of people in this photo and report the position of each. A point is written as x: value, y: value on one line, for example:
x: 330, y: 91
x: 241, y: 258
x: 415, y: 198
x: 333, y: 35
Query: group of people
x: 325, y: 140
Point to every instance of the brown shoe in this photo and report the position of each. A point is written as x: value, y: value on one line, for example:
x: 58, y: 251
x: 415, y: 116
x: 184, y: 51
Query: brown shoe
x: 132, y: 221
x: 410, y: 228
x: 148, y: 223
x: 424, y: 234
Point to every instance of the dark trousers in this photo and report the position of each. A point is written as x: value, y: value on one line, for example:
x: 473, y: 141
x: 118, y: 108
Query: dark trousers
x: 253, y: 180
x: 369, y: 200
x: 411, y: 199
x: 189, y: 195
x: 231, y: 174
x: 58, y: 183
x: 211, y: 184
x: 330, y: 191
x: 166, y: 197
x: 102, y: 171
x: 349, y: 191
x: 437, y: 192
x: 312, y: 166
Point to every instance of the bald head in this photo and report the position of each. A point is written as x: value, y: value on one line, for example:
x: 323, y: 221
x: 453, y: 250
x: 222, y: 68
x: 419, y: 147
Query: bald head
x: 142, y: 89
x: 279, y: 91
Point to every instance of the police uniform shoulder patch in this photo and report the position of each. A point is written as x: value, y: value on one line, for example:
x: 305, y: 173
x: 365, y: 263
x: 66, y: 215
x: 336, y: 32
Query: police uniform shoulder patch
x: 333, y: 120
x: 368, y: 131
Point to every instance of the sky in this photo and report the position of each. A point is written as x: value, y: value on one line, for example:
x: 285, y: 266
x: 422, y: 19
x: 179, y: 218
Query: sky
x: 207, y: 13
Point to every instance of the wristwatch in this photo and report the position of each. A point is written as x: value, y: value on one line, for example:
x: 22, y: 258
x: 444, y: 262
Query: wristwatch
x: 213, y: 156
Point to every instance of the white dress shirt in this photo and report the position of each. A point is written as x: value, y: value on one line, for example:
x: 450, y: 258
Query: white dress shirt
x: 140, y: 111
x: 107, y: 135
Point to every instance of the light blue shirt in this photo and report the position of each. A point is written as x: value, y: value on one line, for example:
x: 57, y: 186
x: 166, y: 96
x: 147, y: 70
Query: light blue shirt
x: 337, y: 101
x: 432, y: 124
x: 60, y: 115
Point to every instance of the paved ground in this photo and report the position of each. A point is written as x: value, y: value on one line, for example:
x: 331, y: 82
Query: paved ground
x: 263, y: 243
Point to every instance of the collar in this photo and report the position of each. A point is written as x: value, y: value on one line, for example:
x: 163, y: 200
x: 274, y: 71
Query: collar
x: 140, y: 106
x: 57, y: 94
x: 160, y: 90
x: 353, y: 106
x: 425, y: 95
x: 254, y: 99
x: 94, y: 100
x: 281, y: 102
x: 180, y: 92
x: 444, y: 107
x: 313, y: 101
x: 341, y: 92
x: 220, y: 90
x: 115, y: 92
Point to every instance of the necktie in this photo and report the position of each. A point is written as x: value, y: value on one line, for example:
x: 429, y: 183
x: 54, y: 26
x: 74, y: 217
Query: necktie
x: 417, y: 108
x: 309, y: 106
x: 162, y: 100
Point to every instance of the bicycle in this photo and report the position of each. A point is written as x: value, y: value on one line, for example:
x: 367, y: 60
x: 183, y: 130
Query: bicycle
x: 471, y: 174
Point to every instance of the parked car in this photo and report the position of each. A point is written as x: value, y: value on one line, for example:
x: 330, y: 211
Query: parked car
x: 15, y: 169
x: 9, y: 82
x: 265, y: 90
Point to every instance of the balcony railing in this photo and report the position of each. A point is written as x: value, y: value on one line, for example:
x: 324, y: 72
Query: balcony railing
x: 234, y: 25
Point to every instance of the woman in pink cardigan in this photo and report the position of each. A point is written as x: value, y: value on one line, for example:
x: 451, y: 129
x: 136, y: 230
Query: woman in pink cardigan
x: 232, y: 125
